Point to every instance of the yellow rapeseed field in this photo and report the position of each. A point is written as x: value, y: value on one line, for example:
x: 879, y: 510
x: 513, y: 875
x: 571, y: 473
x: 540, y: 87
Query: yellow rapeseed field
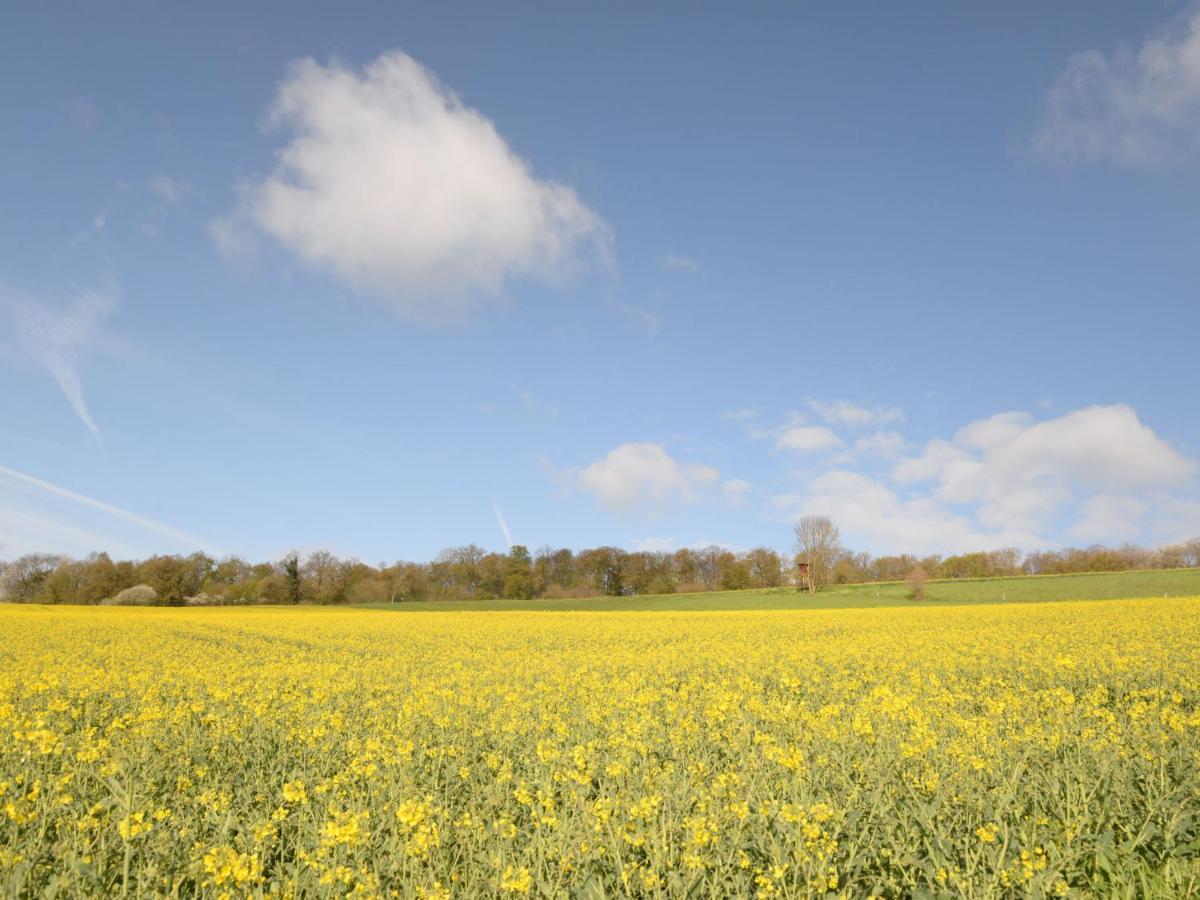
x: 1023, y: 750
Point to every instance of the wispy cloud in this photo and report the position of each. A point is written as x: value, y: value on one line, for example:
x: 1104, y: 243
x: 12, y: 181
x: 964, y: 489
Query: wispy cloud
x: 172, y: 191
x: 679, y: 263
x: 745, y: 414
x: 12, y: 477
x: 854, y: 415
x: 655, y: 545
x: 1135, y: 108
x: 643, y: 318
x: 807, y: 439
x: 503, y: 523
x: 23, y: 532
x: 56, y: 339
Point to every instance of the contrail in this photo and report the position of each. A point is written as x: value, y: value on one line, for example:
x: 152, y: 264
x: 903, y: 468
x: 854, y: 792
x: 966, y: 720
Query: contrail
x: 503, y: 524
x: 142, y: 521
x: 56, y: 338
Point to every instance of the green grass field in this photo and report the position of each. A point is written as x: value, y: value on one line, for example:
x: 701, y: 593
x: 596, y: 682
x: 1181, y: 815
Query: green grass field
x: 1028, y: 589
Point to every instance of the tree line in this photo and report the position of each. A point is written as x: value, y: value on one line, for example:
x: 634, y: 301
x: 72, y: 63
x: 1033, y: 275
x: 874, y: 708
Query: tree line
x: 470, y: 572
x: 819, y: 549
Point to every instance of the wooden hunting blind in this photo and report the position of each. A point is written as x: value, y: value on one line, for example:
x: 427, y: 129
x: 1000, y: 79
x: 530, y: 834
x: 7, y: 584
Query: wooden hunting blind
x: 804, y: 580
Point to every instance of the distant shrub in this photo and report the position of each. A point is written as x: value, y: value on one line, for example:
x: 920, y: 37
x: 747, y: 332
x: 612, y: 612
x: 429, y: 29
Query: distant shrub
x: 916, y: 583
x: 138, y: 595
x: 215, y: 600
x: 661, y: 585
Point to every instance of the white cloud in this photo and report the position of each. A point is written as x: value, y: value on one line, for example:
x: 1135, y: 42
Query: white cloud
x: 868, y: 510
x: 642, y: 318
x: 984, y: 434
x: 679, y: 263
x: 807, y: 439
x: 62, y: 532
x: 56, y: 339
x: 24, y: 532
x: 1108, y: 518
x: 1019, y: 472
x: 391, y: 182
x: 740, y: 415
x: 641, y: 478
x: 172, y: 191
x: 503, y: 524
x: 886, y: 444
x: 736, y: 491
x: 937, y: 456
x: 1094, y: 474
x: 1177, y: 520
x: 1136, y: 108
x: 236, y: 241
x: 535, y: 406
x: 655, y: 545
x: 852, y: 415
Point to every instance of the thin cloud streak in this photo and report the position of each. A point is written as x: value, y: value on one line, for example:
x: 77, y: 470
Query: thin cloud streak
x: 56, y: 339
x: 26, y: 532
x: 182, y: 537
x: 503, y: 523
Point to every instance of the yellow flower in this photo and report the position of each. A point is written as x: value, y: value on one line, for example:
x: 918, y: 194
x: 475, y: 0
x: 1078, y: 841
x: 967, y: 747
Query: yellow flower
x: 133, y: 826
x: 225, y: 866
x: 516, y: 881
x: 987, y: 833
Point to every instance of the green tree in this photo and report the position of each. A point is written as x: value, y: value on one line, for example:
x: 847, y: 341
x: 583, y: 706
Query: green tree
x: 518, y: 574
x: 23, y: 577
x: 291, y: 572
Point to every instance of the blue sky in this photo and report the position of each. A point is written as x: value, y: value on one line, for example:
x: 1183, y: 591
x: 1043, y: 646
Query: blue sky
x: 297, y: 277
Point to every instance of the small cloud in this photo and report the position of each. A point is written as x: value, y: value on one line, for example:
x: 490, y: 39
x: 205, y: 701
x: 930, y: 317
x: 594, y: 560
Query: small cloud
x: 807, y: 439
x: 644, y: 319
x: 852, y: 415
x: 535, y: 407
x: 655, y: 545
x: 678, y: 263
x: 642, y: 478
x: 235, y: 240
x: 887, y: 444
x: 745, y: 414
x: 1132, y: 108
x: 172, y: 191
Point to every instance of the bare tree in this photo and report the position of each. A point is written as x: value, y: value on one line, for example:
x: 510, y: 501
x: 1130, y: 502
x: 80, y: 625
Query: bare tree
x: 818, y: 544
